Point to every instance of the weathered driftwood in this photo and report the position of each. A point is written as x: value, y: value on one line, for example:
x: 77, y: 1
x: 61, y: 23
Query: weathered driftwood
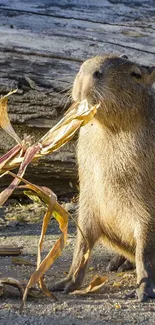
x: 10, y: 250
x: 42, y: 44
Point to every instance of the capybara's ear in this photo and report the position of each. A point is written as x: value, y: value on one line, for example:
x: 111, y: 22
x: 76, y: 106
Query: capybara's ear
x: 136, y: 72
x: 149, y: 74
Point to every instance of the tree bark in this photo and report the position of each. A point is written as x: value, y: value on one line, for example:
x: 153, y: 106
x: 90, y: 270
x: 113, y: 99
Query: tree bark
x: 42, y: 44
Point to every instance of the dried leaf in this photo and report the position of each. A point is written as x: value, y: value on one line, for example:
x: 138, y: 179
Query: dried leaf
x: 29, y: 154
x: 117, y: 305
x: 4, y: 119
x: 117, y: 284
x: 61, y: 133
x: 13, y: 162
x: 60, y: 137
x: 46, y: 219
x: 62, y: 217
x: 45, y: 290
x: 53, y: 140
x: 49, y: 198
x: 96, y: 284
x: 15, y: 283
x: 12, y: 282
x: 43, y: 192
x: 54, y: 253
x: 32, y: 196
x: 65, y: 129
x: 9, y: 155
x: 21, y: 261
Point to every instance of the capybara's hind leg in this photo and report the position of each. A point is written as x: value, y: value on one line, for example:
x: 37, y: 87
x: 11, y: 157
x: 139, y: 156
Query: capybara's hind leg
x: 126, y: 266
x: 115, y: 263
x: 119, y: 263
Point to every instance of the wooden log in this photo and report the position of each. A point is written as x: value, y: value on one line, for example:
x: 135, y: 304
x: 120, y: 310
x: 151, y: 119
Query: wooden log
x: 10, y: 250
x: 42, y: 45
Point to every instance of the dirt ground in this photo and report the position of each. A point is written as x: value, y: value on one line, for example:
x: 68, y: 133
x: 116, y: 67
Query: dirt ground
x: 21, y: 225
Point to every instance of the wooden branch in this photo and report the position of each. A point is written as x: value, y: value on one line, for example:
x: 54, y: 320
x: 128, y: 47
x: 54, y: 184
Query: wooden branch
x: 10, y: 250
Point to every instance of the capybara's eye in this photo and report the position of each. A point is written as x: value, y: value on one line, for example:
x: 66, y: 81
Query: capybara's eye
x: 124, y: 56
x: 97, y: 74
x: 136, y: 75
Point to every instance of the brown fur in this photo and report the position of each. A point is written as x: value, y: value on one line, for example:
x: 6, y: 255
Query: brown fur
x: 116, y: 159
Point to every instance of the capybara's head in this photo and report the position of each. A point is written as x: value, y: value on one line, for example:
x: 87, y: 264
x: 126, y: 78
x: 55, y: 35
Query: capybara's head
x: 120, y: 86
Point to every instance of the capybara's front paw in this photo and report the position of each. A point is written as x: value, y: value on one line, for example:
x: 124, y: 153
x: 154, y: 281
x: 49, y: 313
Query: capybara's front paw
x: 60, y: 286
x: 66, y: 285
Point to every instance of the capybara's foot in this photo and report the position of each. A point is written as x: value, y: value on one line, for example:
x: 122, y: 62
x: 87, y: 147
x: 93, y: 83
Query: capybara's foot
x: 66, y: 285
x: 145, y: 291
x: 126, y: 266
x: 60, y: 286
x: 115, y: 263
x: 119, y: 263
x: 142, y: 294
